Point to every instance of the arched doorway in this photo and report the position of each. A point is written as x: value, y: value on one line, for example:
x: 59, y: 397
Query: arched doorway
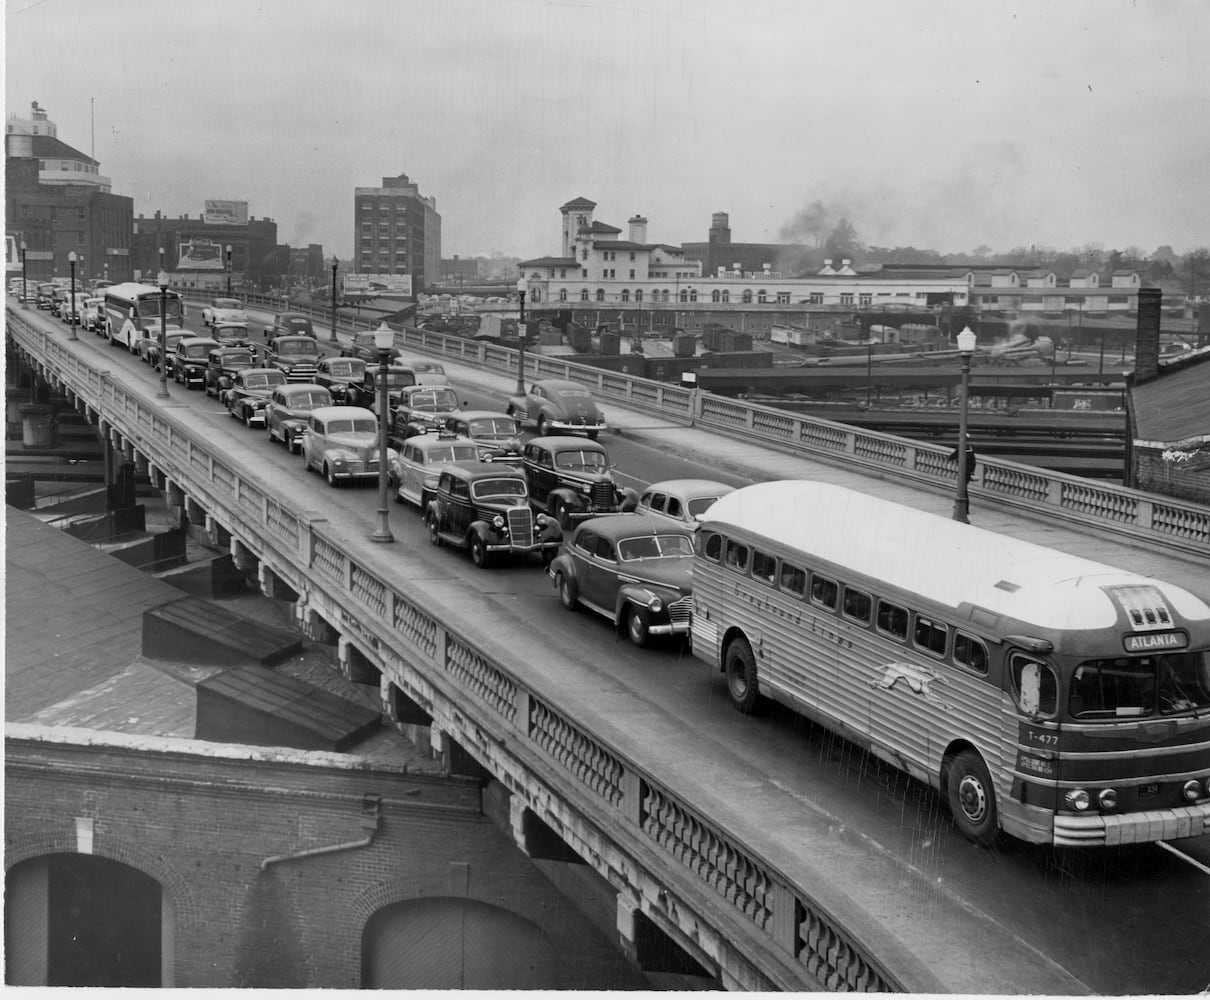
x: 82, y: 920
x: 443, y: 943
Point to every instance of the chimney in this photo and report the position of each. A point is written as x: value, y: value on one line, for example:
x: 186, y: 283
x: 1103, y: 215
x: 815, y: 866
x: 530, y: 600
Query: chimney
x: 638, y: 229
x: 1147, y: 336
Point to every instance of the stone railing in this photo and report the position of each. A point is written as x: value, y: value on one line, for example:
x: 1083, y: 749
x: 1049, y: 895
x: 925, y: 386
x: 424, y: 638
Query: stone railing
x: 783, y: 933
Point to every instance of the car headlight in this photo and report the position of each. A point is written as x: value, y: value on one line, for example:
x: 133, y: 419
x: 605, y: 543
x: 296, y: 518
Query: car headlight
x: 498, y: 522
x: 1192, y: 790
x: 1107, y: 798
x: 1077, y: 799
x: 338, y: 461
x: 656, y: 605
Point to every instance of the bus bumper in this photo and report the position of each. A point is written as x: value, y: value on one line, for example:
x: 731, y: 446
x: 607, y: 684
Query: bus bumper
x: 1132, y: 828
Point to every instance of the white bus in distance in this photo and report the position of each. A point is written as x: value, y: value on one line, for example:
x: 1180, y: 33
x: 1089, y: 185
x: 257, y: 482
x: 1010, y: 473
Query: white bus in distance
x: 1057, y: 699
x: 132, y: 313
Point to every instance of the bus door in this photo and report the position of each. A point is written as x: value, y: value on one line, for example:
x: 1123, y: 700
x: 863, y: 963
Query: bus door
x: 1030, y: 728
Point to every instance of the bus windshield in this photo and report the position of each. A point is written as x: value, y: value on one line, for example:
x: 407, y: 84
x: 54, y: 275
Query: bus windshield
x: 1136, y: 686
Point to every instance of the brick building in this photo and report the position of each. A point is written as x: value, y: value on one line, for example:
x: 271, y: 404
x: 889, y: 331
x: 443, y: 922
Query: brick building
x: 397, y: 230
x: 256, y: 259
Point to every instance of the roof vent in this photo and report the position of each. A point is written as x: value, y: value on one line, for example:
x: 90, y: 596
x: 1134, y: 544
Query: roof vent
x: 1144, y: 606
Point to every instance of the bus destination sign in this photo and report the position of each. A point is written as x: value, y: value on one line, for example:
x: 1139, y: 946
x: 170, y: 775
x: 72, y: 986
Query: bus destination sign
x: 1154, y: 641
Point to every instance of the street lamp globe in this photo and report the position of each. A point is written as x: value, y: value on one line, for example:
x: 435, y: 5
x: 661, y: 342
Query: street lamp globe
x: 384, y: 338
x: 966, y: 342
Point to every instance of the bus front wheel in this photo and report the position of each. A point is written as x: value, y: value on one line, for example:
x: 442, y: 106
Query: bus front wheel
x: 740, y: 668
x: 972, y: 798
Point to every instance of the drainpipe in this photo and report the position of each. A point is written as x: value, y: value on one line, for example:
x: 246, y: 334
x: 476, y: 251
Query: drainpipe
x: 371, y: 816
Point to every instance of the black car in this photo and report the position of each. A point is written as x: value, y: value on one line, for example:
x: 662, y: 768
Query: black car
x: 222, y: 365
x: 296, y: 355
x: 362, y: 347
x: 570, y: 479
x: 288, y: 323
x: 288, y: 410
x: 484, y: 507
x: 365, y: 392
x: 337, y: 374
x: 422, y: 409
x: 191, y: 360
x: 496, y: 434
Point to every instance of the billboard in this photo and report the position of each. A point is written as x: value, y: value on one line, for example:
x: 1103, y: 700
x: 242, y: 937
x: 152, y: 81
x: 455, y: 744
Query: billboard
x: 200, y: 255
x: 378, y: 286
x: 225, y: 213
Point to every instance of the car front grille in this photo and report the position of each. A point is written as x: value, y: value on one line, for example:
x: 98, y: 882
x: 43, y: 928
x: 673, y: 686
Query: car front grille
x: 302, y: 372
x: 679, y: 611
x: 602, y: 494
x: 521, y: 525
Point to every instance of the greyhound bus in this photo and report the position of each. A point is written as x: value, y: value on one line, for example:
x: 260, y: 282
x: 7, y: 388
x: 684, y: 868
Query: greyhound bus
x: 1056, y: 699
x: 132, y: 312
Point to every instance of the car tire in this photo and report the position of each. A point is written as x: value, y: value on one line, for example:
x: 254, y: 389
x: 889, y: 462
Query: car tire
x: 739, y: 666
x: 638, y: 624
x: 479, y: 553
x: 972, y: 798
x: 562, y: 514
x: 293, y: 445
x: 247, y: 417
x: 434, y: 530
x: 543, y: 426
x: 569, y: 595
x: 330, y: 474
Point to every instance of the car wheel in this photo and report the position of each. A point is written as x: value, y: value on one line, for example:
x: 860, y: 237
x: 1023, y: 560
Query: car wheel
x: 247, y: 417
x: 543, y: 426
x: 562, y: 514
x: 637, y: 625
x: 479, y: 554
x: 330, y: 474
x: 972, y: 798
x: 434, y: 531
x: 293, y: 444
x: 568, y: 595
x: 740, y: 667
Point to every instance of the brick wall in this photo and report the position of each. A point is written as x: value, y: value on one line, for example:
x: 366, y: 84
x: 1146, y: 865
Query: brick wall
x: 201, y: 819
x: 1183, y: 474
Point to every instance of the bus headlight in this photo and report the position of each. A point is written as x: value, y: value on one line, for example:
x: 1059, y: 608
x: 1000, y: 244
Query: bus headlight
x: 1192, y: 790
x: 1107, y: 798
x: 1077, y: 799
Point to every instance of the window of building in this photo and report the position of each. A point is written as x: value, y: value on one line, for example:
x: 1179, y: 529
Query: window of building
x: 746, y: 298
x: 625, y: 294
x: 684, y: 294
x: 600, y: 294
x: 692, y: 294
x: 846, y: 298
x: 562, y: 294
x: 726, y: 295
x: 632, y: 271
x: 762, y: 296
x: 783, y: 298
x: 583, y: 294
x: 535, y: 294
x: 584, y: 254
x: 562, y: 272
x: 638, y: 295
x: 865, y: 299
x: 584, y: 274
x: 716, y: 296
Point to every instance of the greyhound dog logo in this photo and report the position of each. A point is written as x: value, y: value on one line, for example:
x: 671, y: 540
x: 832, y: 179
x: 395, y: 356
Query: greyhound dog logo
x: 919, y: 680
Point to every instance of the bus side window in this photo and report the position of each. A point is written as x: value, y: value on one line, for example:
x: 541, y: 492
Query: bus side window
x: 1035, y: 686
x: 793, y: 580
x: 857, y: 605
x: 970, y: 652
x: 712, y: 547
x: 737, y: 556
x: 892, y: 619
x: 824, y: 591
x: 930, y: 636
x: 764, y: 567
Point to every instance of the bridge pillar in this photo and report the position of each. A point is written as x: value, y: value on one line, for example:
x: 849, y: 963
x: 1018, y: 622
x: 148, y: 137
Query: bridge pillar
x: 273, y: 586
x: 314, y: 626
x: 195, y: 511
x: 142, y: 465
x: 652, y: 948
x: 454, y: 755
x: 402, y: 710
x: 535, y: 837
x: 216, y: 534
x: 355, y: 665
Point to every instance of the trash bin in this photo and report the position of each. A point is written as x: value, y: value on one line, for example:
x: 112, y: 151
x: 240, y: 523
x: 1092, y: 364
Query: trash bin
x: 37, y: 425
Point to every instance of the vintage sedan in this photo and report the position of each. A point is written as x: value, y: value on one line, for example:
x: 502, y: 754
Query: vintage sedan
x: 223, y: 365
x: 93, y: 316
x: 190, y: 361
x: 681, y: 501
x: 365, y: 392
x: 223, y: 310
x: 422, y: 409
x: 337, y: 374
x: 555, y: 406
x: 235, y: 334
x: 483, y: 506
x: 249, y: 393
x: 289, y: 407
x: 636, y: 571
x: 288, y: 323
x: 149, y: 347
x: 496, y: 434
x: 296, y: 355
x: 416, y: 464
x: 341, y: 442
x: 570, y: 479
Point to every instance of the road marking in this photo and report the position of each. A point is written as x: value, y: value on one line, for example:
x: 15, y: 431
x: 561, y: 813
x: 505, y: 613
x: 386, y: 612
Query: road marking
x: 1205, y: 869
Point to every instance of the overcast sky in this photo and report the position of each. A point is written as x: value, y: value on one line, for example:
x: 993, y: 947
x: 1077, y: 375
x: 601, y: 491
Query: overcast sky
x: 937, y: 124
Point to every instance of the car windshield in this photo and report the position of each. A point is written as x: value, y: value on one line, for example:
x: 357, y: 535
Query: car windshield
x: 259, y: 382
x: 429, y: 367
x: 699, y: 505
x: 341, y: 369
x: 299, y: 324
x: 296, y: 347
x: 232, y: 331
x: 308, y: 400
x: 573, y: 392
x: 434, y: 401
x: 582, y: 460
x: 228, y: 304
x: 237, y: 360
x: 173, y: 340
x: 398, y: 379
x: 365, y: 426
x: 511, y: 488
x: 490, y: 427
x: 197, y: 350
x: 452, y: 453
x: 654, y: 547
x: 1131, y: 686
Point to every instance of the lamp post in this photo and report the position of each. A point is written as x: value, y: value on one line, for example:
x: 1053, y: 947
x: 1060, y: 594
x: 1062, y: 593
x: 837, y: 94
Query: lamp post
x: 228, y: 270
x: 24, y: 289
x: 384, y: 340
x: 71, y: 313
x: 966, y: 348
x: 335, y: 263
x: 522, y: 288
x: 162, y: 280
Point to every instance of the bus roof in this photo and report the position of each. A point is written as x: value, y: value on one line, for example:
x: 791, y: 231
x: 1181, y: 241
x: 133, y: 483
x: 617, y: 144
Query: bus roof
x: 128, y: 291
x: 937, y: 558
